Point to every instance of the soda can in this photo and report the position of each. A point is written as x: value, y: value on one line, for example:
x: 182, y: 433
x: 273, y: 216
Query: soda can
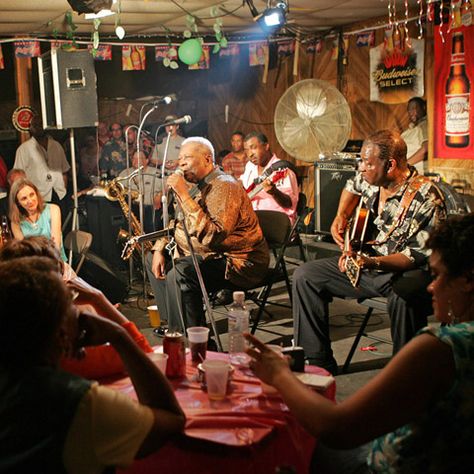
x: 173, y: 345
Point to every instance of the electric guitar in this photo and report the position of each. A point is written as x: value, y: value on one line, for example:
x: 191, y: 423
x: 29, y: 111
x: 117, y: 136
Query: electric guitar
x: 275, y: 176
x: 354, y: 240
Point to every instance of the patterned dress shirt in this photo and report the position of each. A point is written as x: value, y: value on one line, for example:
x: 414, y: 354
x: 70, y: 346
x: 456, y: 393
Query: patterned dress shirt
x: 221, y: 223
x: 424, y: 212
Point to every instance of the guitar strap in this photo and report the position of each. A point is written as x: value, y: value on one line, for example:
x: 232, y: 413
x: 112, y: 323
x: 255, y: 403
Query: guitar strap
x: 414, y: 185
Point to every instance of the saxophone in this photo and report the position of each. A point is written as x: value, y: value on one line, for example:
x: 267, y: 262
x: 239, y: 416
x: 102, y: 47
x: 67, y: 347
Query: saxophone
x: 114, y: 191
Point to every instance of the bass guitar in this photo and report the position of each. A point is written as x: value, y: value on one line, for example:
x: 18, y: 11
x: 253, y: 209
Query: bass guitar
x: 354, y: 240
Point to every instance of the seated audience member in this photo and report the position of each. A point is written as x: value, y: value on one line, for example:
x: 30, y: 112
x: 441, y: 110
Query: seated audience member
x: 419, y: 408
x: 387, y: 185
x: 3, y: 174
x: 175, y: 142
x: 416, y: 135
x: 113, y: 157
x: 14, y: 174
x: 224, y: 233
x: 97, y: 361
x: 88, y: 157
x: 151, y: 190
x: 53, y: 421
x: 281, y: 195
x: 103, y: 135
x: 30, y: 215
x: 235, y: 161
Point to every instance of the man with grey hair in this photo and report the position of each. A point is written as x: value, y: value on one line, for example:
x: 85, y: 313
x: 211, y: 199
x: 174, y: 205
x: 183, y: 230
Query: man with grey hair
x: 223, y: 230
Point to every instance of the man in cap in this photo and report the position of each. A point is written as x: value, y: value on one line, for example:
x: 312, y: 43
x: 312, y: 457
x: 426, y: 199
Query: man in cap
x: 175, y: 141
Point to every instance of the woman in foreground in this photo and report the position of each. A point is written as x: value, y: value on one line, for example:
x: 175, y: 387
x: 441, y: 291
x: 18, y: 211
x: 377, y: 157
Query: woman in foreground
x: 419, y: 409
x: 53, y: 421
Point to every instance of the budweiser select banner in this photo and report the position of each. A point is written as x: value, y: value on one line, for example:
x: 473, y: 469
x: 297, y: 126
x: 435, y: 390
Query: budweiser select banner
x: 454, y: 94
x: 397, y: 74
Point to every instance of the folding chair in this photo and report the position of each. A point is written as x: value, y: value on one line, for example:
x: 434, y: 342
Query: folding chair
x: 379, y: 303
x: 79, y: 242
x: 295, y: 238
x: 277, y: 230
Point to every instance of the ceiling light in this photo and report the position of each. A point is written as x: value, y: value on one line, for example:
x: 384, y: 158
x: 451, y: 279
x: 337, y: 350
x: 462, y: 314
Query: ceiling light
x: 100, y: 14
x: 273, y: 18
x: 120, y: 31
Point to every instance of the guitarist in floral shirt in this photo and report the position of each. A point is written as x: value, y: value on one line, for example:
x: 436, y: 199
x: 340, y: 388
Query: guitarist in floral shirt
x: 404, y: 208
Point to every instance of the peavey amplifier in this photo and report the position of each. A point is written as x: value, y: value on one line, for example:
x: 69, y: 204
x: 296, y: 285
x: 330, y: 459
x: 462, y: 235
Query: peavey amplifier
x: 330, y: 176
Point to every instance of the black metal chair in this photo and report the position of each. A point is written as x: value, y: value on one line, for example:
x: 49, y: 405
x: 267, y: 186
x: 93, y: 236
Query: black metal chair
x: 379, y: 303
x: 295, y: 238
x: 277, y: 230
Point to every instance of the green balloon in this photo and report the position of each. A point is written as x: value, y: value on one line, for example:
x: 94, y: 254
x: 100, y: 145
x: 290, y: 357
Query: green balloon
x: 190, y: 51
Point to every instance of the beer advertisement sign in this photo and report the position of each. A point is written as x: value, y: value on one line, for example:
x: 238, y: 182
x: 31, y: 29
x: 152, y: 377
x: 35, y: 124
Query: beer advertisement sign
x: 454, y: 96
x: 397, y: 74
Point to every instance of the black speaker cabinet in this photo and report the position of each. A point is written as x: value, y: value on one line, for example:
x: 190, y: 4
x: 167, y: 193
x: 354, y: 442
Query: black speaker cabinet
x: 329, y: 180
x: 68, y: 89
x: 104, y: 220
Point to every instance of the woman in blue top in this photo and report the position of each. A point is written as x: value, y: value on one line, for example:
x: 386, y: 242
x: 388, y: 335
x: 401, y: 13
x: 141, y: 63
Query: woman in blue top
x: 419, y: 409
x: 31, y: 216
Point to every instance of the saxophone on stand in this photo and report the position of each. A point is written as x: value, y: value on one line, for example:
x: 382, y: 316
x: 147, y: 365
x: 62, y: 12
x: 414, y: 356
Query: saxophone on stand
x: 115, y: 191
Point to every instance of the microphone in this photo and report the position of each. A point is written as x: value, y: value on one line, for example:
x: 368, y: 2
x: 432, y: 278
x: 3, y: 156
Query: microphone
x: 178, y: 171
x: 185, y: 119
x: 167, y: 99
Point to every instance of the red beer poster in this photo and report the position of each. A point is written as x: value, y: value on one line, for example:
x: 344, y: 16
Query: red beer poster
x: 454, y: 93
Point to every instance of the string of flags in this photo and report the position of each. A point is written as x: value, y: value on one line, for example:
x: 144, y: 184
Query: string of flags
x: 134, y: 56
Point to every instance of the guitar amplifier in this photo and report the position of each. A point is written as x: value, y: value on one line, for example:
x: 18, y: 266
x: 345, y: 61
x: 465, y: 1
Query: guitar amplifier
x: 330, y: 177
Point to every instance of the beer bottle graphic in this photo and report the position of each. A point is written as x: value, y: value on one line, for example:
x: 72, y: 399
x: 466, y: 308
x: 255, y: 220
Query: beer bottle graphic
x: 457, y: 97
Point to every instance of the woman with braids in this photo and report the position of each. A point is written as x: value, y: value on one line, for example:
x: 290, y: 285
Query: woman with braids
x: 419, y: 409
x: 53, y: 421
x: 98, y: 361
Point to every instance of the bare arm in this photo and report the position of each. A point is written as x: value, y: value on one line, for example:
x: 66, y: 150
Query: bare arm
x: 281, y: 198
x: 151, y: 386
x: 400, y: 393
x: 396, y: 262
x: 419, y: 154
x: 347, y: 203
x: 16, y: 229
x: 56, y: 225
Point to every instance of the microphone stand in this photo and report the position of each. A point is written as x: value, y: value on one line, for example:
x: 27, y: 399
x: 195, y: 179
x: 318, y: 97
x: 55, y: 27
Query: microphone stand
x: 202, y: 285
x: 129, y: 217
x: 140, y: 190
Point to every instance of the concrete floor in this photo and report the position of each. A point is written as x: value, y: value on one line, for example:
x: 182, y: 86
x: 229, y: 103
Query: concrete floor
x: 345, y: 319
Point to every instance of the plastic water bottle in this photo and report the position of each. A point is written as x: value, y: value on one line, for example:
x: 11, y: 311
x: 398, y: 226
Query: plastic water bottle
x: 238, y: 318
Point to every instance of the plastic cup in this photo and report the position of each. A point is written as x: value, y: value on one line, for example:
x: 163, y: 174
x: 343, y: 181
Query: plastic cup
x: 217, y: 374
x: 197, y: 337
x: 154, y: 316
x: 160, y: 359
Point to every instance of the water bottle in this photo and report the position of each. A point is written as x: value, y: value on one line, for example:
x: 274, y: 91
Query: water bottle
x: 238, y: 318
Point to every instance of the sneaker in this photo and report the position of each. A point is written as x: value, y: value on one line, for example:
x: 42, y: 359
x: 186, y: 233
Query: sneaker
x: 223, y: 298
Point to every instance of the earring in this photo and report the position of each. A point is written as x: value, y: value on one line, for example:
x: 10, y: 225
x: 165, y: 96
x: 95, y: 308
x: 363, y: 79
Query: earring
x: 451, y: 315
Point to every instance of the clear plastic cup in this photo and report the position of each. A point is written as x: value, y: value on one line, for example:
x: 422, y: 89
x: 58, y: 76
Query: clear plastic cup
x: 217, y: 374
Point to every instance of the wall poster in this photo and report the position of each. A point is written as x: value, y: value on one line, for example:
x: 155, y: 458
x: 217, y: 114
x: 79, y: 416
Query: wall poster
x: 454, y: 93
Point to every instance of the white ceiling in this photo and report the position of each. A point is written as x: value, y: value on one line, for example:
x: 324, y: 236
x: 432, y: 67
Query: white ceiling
x: 157, y: 17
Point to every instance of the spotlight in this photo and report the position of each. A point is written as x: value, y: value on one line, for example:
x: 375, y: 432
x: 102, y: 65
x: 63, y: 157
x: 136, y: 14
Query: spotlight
x: 273, y: 18
x: 120, y: 31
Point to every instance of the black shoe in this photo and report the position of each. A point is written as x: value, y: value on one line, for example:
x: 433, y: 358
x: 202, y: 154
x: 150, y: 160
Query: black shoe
x: 223, y: 298
x: 160, y: 331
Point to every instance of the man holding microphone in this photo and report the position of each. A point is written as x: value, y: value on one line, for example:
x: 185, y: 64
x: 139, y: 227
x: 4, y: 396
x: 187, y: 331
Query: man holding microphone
x: 223, y: 231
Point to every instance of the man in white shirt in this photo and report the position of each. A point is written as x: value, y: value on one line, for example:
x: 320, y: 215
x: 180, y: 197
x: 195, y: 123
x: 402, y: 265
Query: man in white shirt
x: 151, y: 191
x: 416, y: 135
x: 173, y: 147
x: 44, y: 162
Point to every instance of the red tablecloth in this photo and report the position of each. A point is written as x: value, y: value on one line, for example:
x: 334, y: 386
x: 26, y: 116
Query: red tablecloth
x: 245, y: 433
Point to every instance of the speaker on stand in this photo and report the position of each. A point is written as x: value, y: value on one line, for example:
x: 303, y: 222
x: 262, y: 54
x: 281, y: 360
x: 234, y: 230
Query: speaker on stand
x: 329, y: 180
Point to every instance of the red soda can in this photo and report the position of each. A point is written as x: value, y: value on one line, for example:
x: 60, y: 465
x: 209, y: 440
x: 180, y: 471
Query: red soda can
x: 173, y: 345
